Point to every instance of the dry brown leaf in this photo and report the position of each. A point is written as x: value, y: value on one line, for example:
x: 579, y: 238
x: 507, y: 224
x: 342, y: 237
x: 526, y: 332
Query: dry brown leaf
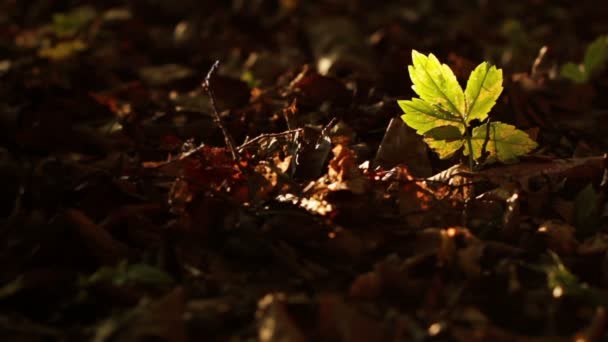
x: 162, y: 319
x: 344, y: 173
x: 367, y: 285
x: 595, y: 244
x: 101, y: 243
x: 559, y: 237
x: 401, y: 145
x: 340, y: 322
x: 274, y: 321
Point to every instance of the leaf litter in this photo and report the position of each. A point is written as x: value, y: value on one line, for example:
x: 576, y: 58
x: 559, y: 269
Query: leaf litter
x: 285, y: 199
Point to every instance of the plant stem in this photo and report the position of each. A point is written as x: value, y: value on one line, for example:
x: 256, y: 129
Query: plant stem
x: 467, y: 137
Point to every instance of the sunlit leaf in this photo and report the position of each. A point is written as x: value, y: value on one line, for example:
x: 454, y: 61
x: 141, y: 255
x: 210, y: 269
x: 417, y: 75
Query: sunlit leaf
x: 505, y: 142
x: 443, y: 113
x: 422, y: 116
x: 436, y: 83
x: 483, y: 89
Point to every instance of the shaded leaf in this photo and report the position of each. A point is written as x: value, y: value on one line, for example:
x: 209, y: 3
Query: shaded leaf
x: 586, y: 213
x: 574, y: 72
x: 63, y: 50
x: 448, y: 133
x: 562, y: 282
x: 124, y: 273
x: 68, y: 24
x: 444, y: 148
x: 594, y: 61
x: 596, y: 56
x: 164, y: 74
x: 559, y: 277
x: 483, y: 89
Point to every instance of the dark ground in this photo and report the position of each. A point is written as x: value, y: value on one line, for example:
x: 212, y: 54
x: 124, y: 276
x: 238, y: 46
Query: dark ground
x: 126, y: 216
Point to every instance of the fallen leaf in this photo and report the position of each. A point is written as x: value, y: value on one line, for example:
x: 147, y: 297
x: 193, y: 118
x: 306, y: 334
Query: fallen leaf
x: 559, y: 237
x: 274, y: 322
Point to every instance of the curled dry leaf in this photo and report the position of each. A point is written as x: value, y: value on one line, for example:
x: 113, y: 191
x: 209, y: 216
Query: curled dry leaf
x: 401, y: 145
x: 344, y: 173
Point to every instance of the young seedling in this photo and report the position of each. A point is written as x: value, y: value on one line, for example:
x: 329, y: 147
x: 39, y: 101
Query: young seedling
x: 444, y: 113
x: 594, y: 61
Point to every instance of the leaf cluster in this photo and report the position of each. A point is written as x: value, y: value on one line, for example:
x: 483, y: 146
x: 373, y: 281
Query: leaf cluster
x: 444, y: 114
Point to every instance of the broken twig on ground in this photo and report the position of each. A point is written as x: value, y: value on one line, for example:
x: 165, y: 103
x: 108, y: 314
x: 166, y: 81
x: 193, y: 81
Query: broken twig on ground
x: 218, y: 120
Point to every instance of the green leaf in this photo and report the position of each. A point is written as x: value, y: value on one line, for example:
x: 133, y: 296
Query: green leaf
x: 443, y: 113
x: 444, y: 148
x: 422, y: 116
x: 596, y: 55
x: 436, y: 83
x: 483, y: 89
x: 146, y: 274
x: 68, y: 24
x: 505, y: 142
x: 62, y: 50
x: 562, y: 282
x: 558, y: 276
x: 573, y: 72
x: 449, y: 133
x: 123, y: 273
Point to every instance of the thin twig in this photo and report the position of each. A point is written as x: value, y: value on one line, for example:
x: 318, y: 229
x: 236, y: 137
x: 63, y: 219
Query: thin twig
x: 268, y: 136
x: 209, y: 89
x: 326, y: 129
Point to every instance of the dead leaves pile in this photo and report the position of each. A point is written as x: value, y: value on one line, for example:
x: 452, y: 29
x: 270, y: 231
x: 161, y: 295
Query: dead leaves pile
x: 125, y: 218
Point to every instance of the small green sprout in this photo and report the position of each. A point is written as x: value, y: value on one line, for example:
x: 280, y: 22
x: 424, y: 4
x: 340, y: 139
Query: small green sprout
x: 594, y: 61
x: 444, y: 113
x: 561, y: 282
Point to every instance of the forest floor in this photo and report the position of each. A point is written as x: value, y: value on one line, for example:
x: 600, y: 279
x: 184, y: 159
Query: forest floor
x: 148, y: 194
